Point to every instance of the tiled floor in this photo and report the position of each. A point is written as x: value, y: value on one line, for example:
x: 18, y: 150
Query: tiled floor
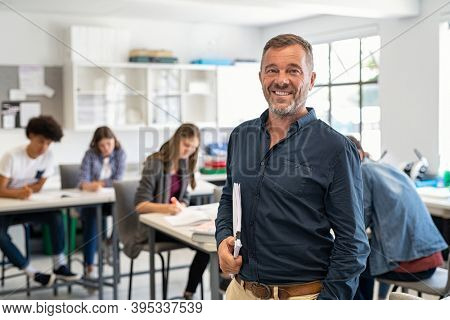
x: 177, y: 279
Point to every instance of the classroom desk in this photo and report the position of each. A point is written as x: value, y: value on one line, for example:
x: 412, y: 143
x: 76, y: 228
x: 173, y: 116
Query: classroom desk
x: 156, y: 222
x: 437, y: 202
x: 64, y: 199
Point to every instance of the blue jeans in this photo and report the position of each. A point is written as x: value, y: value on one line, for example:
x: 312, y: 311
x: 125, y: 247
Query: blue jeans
x: 89, y: 220
x: 52, y: 219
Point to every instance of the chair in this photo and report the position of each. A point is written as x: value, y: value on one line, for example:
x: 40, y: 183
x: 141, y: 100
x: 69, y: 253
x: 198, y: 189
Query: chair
x: 70, y: 174
x: 127, y: 220
x: 437, y: 285
x: 4, y: 262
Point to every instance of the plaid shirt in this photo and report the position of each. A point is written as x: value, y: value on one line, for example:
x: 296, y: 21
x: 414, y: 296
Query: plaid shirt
x: 92, y: 163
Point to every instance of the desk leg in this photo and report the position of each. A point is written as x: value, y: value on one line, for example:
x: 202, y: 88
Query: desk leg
x: 116, y: 271
x: 69, y: 236
x: 214, y: 275
x: 151, y: 244
x: 100, y: 251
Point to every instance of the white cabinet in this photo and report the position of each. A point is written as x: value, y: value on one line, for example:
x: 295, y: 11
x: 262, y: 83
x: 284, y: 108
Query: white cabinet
x: 129, y: 96
x: 239, y: 94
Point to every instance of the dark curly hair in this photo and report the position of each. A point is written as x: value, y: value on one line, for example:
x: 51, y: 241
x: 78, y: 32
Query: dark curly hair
x: 45, y: 126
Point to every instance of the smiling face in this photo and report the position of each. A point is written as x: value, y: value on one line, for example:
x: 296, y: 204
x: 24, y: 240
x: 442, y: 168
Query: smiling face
x: 286, y: 79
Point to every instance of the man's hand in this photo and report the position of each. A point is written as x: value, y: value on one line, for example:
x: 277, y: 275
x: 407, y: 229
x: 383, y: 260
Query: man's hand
x: 227, y: 262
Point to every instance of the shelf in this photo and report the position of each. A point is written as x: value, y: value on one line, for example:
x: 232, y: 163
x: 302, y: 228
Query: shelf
x: 104, y: 93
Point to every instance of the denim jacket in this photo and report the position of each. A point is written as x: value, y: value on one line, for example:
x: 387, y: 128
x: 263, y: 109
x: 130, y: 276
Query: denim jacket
x: 402, y: 228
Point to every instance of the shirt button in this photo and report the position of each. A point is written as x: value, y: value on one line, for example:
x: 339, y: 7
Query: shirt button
x: 262, y: 163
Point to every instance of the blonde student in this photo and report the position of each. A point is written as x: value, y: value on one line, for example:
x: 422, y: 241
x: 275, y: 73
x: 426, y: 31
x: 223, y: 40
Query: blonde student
x: 163, y: 189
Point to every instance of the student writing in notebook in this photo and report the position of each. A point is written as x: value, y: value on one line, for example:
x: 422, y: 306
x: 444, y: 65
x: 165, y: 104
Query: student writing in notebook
x: 23, y: 171
x: 163, y: 189
x: 102, y: 164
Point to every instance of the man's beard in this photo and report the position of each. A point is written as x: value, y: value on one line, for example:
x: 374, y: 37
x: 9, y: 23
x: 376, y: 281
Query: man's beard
x: 285, y: 112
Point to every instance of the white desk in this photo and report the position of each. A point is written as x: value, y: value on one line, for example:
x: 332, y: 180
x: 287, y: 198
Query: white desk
x: 156, y: 222
x: 437, y: 202
x: 69, y: 198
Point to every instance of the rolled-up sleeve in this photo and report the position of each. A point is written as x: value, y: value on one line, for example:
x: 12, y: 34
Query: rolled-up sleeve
x: 344, y: 208
x: 224, y: 221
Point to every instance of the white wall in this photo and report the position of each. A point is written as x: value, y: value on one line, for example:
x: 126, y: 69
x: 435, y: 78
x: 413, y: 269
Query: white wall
x: 409, y: 74
x: 24, y: 43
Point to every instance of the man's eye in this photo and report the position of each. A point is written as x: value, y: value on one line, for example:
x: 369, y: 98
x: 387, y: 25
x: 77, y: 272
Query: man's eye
x: 294, y: 71
x: 271, y: 71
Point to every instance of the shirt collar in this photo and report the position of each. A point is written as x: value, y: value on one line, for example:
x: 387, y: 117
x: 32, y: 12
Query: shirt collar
x: 301, y: 122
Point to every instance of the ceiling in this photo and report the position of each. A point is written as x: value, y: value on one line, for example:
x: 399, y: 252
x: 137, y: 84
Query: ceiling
x: 234, y: 12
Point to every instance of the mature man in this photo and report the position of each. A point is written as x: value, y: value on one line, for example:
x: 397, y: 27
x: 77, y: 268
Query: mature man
x: 299, y: 179
x: 405, y: 243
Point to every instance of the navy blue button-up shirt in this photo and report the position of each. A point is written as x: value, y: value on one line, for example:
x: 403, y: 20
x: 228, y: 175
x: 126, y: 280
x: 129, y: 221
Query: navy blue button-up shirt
x: 292, y: 196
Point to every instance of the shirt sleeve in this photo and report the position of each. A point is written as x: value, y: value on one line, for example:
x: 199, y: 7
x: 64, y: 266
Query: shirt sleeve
x: 147, y: 184
x: 344, y: 208
x: 224, y: 221
x: 368, y: 207
x: 6, y: 165
x: 85, y: 169
x: 50, y: 166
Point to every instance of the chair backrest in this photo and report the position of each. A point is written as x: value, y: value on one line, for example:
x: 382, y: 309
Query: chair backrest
x: 126, y: 217
x: 70, y: 175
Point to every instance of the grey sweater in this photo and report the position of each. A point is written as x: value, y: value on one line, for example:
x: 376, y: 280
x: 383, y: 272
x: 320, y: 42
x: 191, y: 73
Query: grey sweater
x: 154, y: 186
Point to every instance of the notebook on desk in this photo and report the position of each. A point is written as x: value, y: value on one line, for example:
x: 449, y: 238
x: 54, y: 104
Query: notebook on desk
x: 204, y: 232
x: 194, y: 215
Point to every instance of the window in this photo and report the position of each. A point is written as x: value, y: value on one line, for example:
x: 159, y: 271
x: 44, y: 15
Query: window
x: 444, y: 97
x: 346, y: 91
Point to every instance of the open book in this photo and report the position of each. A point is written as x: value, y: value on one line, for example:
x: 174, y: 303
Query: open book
x: 194, y: 215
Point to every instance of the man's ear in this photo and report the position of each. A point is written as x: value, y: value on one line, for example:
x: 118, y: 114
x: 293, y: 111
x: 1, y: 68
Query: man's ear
x: 312, y: 81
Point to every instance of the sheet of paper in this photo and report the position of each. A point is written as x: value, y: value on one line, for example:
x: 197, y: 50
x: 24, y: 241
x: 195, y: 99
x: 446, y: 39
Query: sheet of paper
x: 193, y: 215
x: 237, y: 210
x: 52, y: 195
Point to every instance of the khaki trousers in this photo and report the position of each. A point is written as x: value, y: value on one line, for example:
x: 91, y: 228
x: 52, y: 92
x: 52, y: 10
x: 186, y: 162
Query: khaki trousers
x: 236, y: 291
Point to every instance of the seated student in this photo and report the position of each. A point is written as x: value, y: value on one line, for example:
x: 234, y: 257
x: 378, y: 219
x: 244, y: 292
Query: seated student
x: 163, y: 189
x: 102, y: 164
x: 23, y: 171
x: 405, y: 244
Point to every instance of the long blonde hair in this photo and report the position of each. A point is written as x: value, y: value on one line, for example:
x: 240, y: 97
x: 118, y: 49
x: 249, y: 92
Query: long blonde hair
x: 170, y: 150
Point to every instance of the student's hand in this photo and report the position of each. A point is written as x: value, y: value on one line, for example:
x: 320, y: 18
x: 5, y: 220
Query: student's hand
x: 91, y: 186
x: 172, y: 208
x: 24, y: 193
x: 227, y: 262
x: 174, y: 201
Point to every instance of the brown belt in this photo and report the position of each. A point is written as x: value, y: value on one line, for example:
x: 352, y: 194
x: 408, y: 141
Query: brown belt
x: 263, y: 291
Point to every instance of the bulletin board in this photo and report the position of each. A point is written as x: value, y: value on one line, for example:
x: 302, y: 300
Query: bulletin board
x: 9, y: 79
